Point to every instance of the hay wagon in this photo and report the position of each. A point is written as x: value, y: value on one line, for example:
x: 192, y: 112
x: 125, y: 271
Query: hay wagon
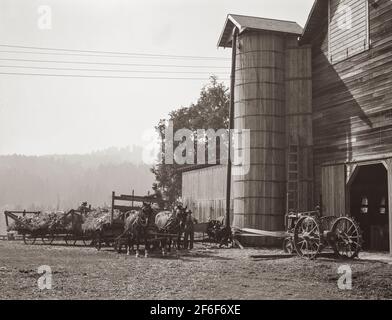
x: 109, y: 234
x: 308, y: 234
x: 70, y: 233
x: 112, y: 234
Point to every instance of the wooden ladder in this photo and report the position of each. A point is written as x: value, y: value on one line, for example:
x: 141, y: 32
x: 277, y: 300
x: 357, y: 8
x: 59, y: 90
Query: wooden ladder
x: 292, y: 177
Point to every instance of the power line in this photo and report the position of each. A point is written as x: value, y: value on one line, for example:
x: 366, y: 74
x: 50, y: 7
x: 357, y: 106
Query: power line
x: 116, y: 53
x: 108, y: 56
x: 100, y: 76
x: 113, y: 64
x: 110, y: 70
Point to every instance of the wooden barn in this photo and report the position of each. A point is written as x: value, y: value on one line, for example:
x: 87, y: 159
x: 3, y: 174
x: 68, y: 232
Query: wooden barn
x: 318, y: 103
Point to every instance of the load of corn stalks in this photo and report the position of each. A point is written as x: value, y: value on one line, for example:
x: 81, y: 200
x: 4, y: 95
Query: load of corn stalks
x: 45, y: 221
x: 52, y: 222
x: 98, y: 218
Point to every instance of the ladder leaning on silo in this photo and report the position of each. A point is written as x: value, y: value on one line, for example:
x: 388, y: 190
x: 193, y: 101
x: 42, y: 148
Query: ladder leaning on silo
x: 292, y: 178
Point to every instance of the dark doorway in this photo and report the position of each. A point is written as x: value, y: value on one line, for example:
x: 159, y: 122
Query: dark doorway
x: 369, y: 205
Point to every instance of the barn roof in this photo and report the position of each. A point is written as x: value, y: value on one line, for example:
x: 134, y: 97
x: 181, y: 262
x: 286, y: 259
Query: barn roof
x: 186, y: 168
x: 248, y: 23
x: 317, y: 13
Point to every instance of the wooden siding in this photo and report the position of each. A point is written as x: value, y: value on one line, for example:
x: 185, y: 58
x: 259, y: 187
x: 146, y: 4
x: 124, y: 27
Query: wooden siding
x: 348, y: 28
x: 333, y: 190
x: 204, y: 192
x: 352, y: 99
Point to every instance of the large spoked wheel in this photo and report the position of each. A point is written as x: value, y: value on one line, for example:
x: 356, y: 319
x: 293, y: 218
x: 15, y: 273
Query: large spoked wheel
x: 307, y: 237
x: 348, y: 239
x: 47, y: 239
x: 29, y: 239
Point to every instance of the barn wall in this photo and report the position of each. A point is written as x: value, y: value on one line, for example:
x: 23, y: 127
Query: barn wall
x: 347, y: 36
x: 352, y: 99
x: 204, y: 191
x: 334, y: 190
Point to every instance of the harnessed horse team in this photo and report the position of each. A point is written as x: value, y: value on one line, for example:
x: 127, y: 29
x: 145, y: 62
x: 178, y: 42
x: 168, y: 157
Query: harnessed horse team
x: 165, y: 227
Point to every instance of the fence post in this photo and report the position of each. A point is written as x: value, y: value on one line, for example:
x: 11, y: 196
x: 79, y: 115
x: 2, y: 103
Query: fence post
x: 112, y: 213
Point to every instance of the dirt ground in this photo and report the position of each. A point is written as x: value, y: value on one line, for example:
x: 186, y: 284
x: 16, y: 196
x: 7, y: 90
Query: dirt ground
x: 203, y: 273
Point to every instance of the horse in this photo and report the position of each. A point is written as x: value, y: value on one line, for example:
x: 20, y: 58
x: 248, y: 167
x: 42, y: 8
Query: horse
x: 171, y: 222
x: 136, y: 228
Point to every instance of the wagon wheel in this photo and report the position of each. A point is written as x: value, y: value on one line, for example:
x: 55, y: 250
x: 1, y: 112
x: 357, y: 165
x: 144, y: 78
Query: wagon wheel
x: 79, y: 242
x: 82, y: 241
x: 70, y: 240
x: 47, y: 239
x: 307, y: 237
x: 29, y: 239
x: 86, y: 241
x: 97, y: 241
x: 348, y: 238
x: 288, y: 246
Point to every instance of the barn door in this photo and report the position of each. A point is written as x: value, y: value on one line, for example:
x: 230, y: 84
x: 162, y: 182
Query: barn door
x: 333, y: 188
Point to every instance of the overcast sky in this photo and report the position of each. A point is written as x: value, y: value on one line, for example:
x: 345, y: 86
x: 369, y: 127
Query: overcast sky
x: 45, y: 115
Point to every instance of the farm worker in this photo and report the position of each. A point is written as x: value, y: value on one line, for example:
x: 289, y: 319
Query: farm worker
x: 189, y: 230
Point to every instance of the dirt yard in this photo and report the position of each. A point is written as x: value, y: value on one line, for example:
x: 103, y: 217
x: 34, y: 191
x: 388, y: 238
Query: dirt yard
x: 204, y: 273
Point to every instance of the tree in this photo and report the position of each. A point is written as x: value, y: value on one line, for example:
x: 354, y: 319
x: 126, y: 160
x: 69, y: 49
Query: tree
x: 211, y: 111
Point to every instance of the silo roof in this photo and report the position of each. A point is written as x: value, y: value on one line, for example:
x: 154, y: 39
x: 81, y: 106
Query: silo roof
x: 248, y: 23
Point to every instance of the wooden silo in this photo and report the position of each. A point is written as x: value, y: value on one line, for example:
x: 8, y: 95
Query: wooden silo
x: 272, y: 99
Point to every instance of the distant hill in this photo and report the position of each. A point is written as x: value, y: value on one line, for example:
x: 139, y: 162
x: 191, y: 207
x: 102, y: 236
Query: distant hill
x: 64, y: 181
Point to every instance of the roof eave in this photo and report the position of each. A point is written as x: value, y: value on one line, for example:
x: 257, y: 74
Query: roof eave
x: 221, y: 42
x: 307, y: 25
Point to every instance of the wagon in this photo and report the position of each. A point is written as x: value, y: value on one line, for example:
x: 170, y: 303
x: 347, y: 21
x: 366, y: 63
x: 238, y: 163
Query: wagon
x: 308, y: 234
x: 110, y: 234
x: 46, y: 234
